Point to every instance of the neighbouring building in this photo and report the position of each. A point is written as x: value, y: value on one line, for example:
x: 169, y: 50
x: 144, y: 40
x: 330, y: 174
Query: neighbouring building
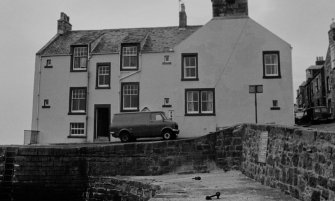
x: 203, y: 77
x: 318, y: 89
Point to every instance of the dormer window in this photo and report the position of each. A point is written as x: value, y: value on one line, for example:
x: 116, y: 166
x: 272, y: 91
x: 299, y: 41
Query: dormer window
x: 79, y: 58
x: 129, y: 57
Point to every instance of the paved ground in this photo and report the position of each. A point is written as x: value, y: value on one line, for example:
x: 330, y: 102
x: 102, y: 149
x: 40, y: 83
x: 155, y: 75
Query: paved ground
x: 232, y: 185
x: 322, y: 126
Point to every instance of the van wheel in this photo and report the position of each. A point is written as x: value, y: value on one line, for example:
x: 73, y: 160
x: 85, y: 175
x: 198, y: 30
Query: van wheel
x: 125, y: 137
x: 167, y: 135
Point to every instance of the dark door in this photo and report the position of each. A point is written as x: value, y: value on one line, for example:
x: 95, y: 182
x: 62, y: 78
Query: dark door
x: 102, y: 121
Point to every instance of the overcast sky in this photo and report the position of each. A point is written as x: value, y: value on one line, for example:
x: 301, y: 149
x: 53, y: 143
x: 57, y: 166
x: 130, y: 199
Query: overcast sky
x: 26, y: 25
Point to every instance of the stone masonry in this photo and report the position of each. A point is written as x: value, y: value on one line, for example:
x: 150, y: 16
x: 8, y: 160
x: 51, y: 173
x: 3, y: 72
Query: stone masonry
x: 297, y: 161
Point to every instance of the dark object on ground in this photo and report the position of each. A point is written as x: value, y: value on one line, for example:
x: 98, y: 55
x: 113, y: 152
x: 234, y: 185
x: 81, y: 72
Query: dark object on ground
x: 217, y: 194
x: 197, y: 178
x: 132, y: 125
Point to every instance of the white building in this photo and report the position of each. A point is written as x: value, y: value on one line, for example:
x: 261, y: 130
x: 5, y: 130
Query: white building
x: 199, y: 75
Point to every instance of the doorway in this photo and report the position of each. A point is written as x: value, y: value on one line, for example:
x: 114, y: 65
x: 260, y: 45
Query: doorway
x: 101, y: 122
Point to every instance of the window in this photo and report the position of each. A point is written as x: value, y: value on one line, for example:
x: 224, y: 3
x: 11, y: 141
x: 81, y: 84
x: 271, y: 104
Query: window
x: 79, y: 58
x: 166, y: 59
x: 103, y: 76
x: 156, y: 117
x: 77, y: 100
x: 77, y: 129
x: 328, y: 84
x: 129, y: 57
x: 129, y: 97
x: 189, y: 67
x: 317, y: 85
x: 48, y: 64
x: 271, y: 64
x: 46, y: 103
x: 275, y: 105
x: 199, y: 102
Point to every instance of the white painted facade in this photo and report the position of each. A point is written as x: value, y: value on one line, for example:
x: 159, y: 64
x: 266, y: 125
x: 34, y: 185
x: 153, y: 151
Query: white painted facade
x: 230, y: 58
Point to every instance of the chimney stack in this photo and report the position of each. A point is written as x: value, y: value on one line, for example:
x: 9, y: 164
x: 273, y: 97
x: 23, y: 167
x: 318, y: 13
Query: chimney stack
x: 63, y: 24
x: 222, y: 8
x: 319, y: 61
x: 182, y: 17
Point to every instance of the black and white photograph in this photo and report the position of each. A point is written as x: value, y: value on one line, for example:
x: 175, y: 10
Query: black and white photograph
x: 167, y: 100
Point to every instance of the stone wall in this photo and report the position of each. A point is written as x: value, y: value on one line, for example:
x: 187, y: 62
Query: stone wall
x: 299, y: 162
x: 65, y: 172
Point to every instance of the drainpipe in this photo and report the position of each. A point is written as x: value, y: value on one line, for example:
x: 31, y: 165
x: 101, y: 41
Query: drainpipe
x: 88, y: 88
x: 38, y: 93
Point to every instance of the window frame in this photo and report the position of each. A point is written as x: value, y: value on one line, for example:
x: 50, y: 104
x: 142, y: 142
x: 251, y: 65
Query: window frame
x: 123, y: 45
x: 183, y: 56
x: 71, y: 112
x: 122, y: 109
x: 99, y: 65
x: 72, y: 69
x: 200, y: 112
x: 77, y: 135
x: 266, y: 76
x: 48, y: 63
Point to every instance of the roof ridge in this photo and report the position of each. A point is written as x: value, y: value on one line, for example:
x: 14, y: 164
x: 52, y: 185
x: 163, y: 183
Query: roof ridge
x: 192, y: 26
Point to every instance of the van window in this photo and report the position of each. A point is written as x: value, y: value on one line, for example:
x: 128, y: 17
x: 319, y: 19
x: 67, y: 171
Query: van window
x: 317, y: 110
x: 156, y: 117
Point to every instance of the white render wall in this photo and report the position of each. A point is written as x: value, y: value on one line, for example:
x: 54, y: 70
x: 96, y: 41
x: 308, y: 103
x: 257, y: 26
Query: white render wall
x: 230, y: 59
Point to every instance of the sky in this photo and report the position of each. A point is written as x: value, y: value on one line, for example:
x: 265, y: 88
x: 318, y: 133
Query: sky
x: 28, y: 25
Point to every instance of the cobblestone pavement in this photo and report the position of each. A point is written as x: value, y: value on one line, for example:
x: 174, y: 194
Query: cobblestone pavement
x: 232, y: 185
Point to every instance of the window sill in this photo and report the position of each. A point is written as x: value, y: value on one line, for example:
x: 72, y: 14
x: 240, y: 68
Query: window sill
x: 45, y: 107
x: 166, y: 105
x: 271, y: 77
x: 202, y: 114
x: 103, y: 87
x: 48, y: 66
x: 167, y: 63
x: 129, y: 69
x: 189, y: 79
x: 77, y: 71
x: 76, y: 113
x: 77, y: 136
x: 275, y: 108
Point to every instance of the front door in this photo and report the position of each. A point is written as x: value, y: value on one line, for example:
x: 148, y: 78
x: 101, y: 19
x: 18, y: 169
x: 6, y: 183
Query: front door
x: 102, y: 121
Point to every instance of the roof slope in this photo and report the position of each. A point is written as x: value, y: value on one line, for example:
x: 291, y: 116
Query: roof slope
x: 156, y: 39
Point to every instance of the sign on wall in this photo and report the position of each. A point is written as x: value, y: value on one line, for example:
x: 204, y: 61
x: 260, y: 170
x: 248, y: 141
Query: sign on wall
x: 263, y: 146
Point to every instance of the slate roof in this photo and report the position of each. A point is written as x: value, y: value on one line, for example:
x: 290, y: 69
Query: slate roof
x: 156, y: 39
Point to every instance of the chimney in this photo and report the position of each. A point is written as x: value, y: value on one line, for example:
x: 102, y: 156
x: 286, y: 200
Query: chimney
x: 319, y: 61
x: 182, y: 17
x: 331, y: 35
x: 223, y: 8
x: 63, y: 24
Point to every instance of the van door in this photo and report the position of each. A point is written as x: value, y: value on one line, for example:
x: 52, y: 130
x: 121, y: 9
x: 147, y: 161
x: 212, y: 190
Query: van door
x: 156, y: 124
